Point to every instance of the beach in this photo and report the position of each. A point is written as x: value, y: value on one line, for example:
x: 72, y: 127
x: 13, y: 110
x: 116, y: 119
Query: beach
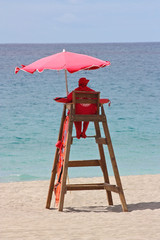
x: 29, y: 129
x: 86, y: 214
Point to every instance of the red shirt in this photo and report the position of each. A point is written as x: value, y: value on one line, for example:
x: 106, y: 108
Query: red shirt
x: 85, y: 108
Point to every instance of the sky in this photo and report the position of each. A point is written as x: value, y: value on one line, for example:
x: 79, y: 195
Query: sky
x: 79, y: 21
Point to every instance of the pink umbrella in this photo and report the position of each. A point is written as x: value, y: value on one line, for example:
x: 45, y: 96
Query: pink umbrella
x: 71, y: 62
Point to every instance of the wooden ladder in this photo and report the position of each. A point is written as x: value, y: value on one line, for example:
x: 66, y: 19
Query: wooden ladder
x: 99, y: 117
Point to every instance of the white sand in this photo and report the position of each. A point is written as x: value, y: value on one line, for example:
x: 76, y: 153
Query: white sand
x: 86, y: 214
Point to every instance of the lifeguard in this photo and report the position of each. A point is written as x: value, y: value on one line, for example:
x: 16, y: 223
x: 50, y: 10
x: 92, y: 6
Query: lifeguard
x: 82, y: 108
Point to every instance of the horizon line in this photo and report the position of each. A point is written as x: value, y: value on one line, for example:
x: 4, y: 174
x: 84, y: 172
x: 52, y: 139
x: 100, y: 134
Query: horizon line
x: 82, y: 42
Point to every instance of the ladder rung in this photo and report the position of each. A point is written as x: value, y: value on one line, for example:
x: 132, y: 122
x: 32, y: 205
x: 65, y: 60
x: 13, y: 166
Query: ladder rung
x: 86, y: 137
x: 92, y: 186
x: 92, y: 136
x: 112, y: 188
x: 101, y: 140
x: 84, y: 163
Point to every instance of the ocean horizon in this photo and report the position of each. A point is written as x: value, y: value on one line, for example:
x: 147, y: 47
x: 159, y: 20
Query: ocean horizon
x: 30, y: 119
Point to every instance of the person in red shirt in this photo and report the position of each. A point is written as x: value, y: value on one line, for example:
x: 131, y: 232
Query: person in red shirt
x: 82, y: 108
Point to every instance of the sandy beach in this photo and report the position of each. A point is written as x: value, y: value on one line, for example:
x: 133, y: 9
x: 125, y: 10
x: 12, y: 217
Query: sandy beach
x: 86, y: 214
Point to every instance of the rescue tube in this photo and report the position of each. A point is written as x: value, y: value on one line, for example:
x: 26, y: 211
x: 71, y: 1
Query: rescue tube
x: 61, y: 144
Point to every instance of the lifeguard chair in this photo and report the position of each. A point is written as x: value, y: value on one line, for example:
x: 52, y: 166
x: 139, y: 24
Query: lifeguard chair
x: 99, y: 117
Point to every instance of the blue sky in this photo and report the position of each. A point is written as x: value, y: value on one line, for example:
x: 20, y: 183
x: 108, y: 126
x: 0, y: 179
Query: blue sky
x: 79, y: 21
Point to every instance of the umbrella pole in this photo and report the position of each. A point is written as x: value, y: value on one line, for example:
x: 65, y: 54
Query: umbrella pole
x: 66, y: 82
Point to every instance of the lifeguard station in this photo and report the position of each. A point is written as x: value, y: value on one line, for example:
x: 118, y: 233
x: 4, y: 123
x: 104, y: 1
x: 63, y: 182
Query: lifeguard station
x: 99, y: 117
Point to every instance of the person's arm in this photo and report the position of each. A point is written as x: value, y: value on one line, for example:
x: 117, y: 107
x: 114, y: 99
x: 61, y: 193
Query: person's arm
x: 64, y: 99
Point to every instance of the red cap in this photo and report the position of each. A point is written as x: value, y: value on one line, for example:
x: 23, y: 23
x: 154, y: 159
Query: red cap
x: 83, y: 81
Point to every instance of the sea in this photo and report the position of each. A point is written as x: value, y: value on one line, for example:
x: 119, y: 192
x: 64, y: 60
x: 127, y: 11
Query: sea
x: 30, y: 118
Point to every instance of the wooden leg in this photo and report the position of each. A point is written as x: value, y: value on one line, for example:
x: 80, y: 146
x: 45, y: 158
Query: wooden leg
x: 114, y: 163
x: 54, y: 169
x: 65, y: 166
x: 103, y: 163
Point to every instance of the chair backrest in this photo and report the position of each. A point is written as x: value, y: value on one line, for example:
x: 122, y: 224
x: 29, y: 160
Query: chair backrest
x: 86, y: 99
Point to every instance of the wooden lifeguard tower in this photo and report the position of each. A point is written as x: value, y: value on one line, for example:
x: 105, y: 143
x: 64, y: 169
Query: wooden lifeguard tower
x: 99, y: 117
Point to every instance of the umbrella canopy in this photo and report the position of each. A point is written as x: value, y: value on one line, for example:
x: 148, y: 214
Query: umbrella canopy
x: 71, y: 62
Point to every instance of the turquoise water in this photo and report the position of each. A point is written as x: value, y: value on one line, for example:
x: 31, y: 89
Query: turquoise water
x: 30, y: 118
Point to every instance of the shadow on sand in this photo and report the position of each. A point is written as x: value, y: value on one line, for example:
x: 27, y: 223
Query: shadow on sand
x: 116, y: 208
